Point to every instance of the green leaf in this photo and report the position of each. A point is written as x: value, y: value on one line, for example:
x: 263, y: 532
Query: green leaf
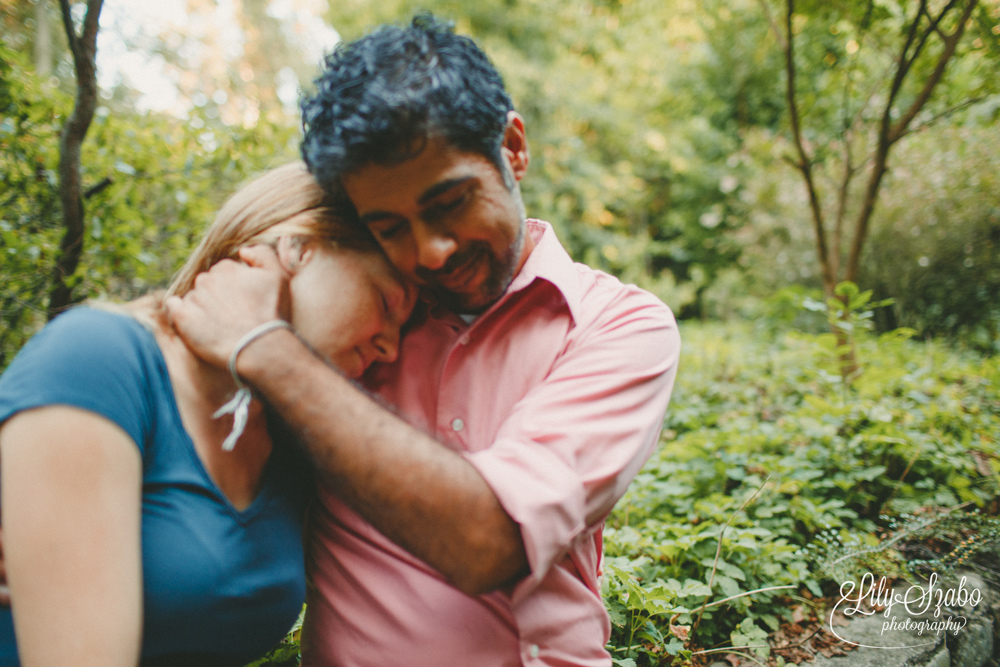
x: 674, y: 647
x: 729, y: 585
x: 623, y: 662
x: 846, y: 289
x: 748, y: 634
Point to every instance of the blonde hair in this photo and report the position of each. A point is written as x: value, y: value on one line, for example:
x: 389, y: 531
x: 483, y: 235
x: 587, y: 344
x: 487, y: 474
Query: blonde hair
x: 285, y: 201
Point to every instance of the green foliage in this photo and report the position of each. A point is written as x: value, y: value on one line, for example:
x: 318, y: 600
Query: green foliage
x: 154, y: 184
x: 849, y: 310
x: 29, y: 199
x: 747, y: 634
x: 848, y: 313
x: 656, y: 130
x: 934, y: 238
x: 913, y: 546
x: 916, y: 430
x: 937, y: 251
x: 932, y: 244
x: 287, y: 652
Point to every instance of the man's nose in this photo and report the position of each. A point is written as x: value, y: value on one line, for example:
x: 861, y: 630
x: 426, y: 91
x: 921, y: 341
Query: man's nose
x: 433, y: 247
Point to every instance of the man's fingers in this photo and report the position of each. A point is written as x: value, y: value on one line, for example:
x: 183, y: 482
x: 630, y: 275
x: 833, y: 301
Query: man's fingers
x: 261, y: 256
x: 228, y: 300
x: 173, y: 305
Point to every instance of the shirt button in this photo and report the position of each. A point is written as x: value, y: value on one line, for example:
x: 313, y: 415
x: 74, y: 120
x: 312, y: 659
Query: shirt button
x: 533, y: 650
x: 457, y: 424
x: 464, y: 340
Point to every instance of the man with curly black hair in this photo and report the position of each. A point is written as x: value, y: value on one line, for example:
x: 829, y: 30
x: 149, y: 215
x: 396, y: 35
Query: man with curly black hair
x: 463, y: 526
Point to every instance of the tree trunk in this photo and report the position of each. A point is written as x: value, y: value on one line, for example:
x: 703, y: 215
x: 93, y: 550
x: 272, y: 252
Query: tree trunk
x: 84, y: 49
x: 915, y: 37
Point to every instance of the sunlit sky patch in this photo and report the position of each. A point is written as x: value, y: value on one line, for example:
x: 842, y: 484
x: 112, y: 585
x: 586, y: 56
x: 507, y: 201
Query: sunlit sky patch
x: 129, y: 28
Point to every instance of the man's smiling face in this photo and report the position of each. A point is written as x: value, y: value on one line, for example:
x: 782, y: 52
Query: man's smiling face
x: 447, y: 220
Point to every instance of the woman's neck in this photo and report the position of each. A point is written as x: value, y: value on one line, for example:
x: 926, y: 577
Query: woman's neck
x: 193, y: 379
x: 200, y: 389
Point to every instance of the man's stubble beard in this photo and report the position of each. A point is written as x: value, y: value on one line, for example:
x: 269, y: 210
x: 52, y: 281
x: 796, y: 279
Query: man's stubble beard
x: 499, y: 277
x: 502, y: 270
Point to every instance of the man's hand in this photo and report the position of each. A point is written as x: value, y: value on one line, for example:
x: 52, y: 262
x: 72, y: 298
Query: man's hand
x: 229, y: 300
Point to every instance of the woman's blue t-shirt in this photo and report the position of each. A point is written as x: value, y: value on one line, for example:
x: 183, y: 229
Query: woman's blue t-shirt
x: 221, y: 586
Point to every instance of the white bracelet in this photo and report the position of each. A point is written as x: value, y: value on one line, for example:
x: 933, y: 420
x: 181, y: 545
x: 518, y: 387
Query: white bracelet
x: 239, y: 405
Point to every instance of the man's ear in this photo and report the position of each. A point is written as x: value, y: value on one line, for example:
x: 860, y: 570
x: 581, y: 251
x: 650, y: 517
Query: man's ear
x: 515, y: 145
x: 294, y: 252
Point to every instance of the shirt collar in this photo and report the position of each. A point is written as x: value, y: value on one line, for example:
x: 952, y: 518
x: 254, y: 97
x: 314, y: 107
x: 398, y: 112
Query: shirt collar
x: 550, y: 262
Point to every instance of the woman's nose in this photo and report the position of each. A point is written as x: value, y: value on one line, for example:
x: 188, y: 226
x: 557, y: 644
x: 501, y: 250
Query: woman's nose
x: 386, y: 344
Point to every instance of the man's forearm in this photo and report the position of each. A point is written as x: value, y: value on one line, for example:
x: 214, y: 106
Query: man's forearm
x: 418, y: 493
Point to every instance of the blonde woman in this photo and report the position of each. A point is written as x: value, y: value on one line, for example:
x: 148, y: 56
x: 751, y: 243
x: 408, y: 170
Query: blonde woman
x: 151, y: 511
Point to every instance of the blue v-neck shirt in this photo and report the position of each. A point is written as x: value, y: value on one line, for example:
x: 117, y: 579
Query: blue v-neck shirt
x: 221, y: 586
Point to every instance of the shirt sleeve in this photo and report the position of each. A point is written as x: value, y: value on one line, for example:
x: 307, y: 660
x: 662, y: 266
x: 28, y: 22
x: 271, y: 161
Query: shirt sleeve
x: 89, y: 359
x: 573, y: 444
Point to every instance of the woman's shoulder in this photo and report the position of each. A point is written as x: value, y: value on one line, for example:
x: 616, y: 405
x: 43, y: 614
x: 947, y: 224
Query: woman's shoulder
x: 91, y: 335
x: 102, y: 361
x: 104, y: 319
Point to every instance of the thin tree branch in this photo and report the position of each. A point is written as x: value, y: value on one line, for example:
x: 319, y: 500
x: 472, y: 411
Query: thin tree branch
x: 746, y: 593
x: 782, y: 42
x: 739, y: 653
x: 950, y: 44
x: 890, y: 133
x: 903, y: 67
x: 932, y: 28
x: 805, y: 161
x: 98, y: 187
x: 842, y: 193
x: 70, y: 29
x: 724, y: 649
x: 880, y: 159
x: 944, y: 114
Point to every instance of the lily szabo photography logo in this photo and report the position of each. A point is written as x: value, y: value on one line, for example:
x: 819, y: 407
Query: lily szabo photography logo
x: 910, y: 617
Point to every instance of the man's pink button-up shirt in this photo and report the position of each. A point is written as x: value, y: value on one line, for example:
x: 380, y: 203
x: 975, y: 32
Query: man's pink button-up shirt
x: 556, y: 395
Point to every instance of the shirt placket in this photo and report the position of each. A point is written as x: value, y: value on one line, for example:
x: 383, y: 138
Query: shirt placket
x: 452, y: 420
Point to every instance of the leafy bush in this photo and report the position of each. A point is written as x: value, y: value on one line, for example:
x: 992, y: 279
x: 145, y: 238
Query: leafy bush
x: 934, y: 237
x: 29, y: 200
x: 937, y: 251
x: 152, y: 184
x: 914, y: 430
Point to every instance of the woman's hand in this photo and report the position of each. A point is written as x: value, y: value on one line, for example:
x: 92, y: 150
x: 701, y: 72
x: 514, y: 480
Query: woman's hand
x: 71, y: 496
x: 229, y: 300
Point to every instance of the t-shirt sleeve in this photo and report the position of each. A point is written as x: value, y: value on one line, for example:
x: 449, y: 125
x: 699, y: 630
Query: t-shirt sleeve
x: 573, y: 444
x: 89, y: 359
